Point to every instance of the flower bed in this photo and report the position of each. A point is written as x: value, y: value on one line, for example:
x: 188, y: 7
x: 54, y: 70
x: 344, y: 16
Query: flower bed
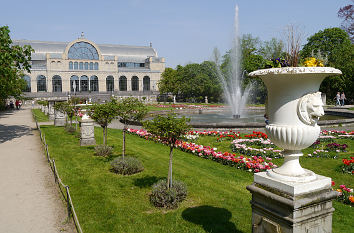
x: 252, y: 164
x: 242, y: 146
x: 348, y: 165
x: 345, y: 194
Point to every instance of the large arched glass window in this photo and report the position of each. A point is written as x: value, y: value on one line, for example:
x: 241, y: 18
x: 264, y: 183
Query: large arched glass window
x: 70, y: 65
x: 83, y: 51
x: 123, y: 83
x: 110, y: 83
x: 84, y: 83
x: 56, y: 82
x: 93, y: 83
x: 135, y: 83
x: 41, y: 83
x: 146, y: 83
x: 28, y: 82
x: 74, y: 84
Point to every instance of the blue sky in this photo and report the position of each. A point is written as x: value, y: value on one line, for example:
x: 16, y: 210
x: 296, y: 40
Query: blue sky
x: 181, y: 31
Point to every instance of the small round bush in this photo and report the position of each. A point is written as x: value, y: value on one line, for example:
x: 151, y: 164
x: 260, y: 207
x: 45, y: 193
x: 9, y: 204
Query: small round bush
x: 70, y: 129
x: 163, y: 197
x: 103, y: 150
x: 126, y: 166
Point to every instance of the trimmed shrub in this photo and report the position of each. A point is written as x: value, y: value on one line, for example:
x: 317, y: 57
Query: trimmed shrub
x: 163, y: 197
x: 126, y: 165
x: 103, y: 150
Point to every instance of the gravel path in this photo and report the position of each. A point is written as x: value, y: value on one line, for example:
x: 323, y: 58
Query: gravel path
x: 29, y: 198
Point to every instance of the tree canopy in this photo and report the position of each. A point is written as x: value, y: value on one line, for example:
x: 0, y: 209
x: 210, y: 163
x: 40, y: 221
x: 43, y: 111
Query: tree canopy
x: 335, y: 43
x: 14, y: 60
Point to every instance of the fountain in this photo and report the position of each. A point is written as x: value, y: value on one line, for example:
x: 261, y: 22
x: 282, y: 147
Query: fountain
x: 231, y: 82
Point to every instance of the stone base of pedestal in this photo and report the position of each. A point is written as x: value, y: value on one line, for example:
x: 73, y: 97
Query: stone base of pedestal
x: 87, y: 141
x: 59, y: 122
x: 87, y: 133
x: 51, y: 116
x: 284, y: 207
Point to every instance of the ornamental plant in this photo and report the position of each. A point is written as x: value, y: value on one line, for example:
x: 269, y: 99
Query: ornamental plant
x: 168, y: 129
x: 348, y: 165
x: 345, y: 195
x: 336, y: 147
x: 103, y: 114
x: 128, y: 110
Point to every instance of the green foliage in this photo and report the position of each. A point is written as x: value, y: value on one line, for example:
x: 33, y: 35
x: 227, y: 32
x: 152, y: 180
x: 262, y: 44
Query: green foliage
x: 335, y: 43
x: 192, y: 82
x: 168, y: 128
x: 127, y: 166
x: 272, y: 49
x: 163, y: 197
x: 103, y: 150
x: 14, y: 60
x: 103, y: 114
x: 70, y: 129
x: 131, y: 109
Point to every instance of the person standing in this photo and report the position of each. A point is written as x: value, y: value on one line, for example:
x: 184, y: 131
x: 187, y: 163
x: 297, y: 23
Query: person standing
x: 17, y: 104
x: 338, y: 99
x: 342, y: 98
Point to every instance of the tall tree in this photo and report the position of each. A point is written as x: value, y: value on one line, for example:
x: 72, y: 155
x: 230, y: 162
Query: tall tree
x: 272, y: 49
x: 347, y: 14
x: 14, y: 60
x: 335, y: 43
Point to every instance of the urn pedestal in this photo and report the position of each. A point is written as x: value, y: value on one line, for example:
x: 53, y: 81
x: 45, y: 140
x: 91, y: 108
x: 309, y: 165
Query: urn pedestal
x: 87, y: 131
x: 291, y: 199
x: 51, y: 111
x: 60, y: 118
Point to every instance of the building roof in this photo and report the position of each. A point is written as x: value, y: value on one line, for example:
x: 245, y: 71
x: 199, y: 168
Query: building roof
x: 43, y: 47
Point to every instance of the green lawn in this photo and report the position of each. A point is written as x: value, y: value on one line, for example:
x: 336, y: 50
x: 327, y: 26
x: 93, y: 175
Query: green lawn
x: 40, y: 116
x: 217, y: 197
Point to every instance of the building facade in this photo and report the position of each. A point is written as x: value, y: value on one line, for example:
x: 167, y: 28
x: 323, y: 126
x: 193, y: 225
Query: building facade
x: 83, y: 67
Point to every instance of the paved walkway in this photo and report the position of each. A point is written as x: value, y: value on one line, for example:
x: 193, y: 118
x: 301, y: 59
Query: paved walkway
x: 29, y: 198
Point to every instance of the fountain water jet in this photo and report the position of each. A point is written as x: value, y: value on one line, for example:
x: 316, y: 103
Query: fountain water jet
x: 231, y: 82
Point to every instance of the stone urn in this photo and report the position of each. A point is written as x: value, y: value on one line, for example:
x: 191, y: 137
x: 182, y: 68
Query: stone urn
x: 294, y: 107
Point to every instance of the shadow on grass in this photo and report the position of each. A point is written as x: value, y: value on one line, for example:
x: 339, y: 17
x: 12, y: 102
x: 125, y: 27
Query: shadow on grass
x: 212, y: 219
x: 147, y: 181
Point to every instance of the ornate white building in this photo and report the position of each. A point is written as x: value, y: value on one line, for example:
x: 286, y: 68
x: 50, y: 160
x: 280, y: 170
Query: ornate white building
x: 84, y: 68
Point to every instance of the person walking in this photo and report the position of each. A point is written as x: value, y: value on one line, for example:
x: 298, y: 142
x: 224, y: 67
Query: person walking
x: 337, y: 99
x: 17, y: 103
x: 342, y: 98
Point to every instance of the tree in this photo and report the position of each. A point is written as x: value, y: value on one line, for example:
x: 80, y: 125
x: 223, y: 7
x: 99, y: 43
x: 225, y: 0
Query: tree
x: 346, y: 13
x: 169, y: 129
x: 103, y: 114
x: 130, y: 109
x: 335, y: 43
x: 14, y: 60
x: 272, y: 49
x: 169, y: 82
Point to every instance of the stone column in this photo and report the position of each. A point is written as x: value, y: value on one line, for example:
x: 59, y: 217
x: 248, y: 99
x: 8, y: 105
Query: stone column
x: 87, y: 131
x: 46, y: 110
x: 206, y: 99
x: 60, y: 118
x: 51, y: 110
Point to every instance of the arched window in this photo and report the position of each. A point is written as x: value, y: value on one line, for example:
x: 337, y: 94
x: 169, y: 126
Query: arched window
x: 74, y: 84
x: 75, y: 65
x: 41, y: 83
x: 86, y: 65
x: 93, y: 83
x: 83, y: 51
x: 84, y: 83
x: 146, y: 83
x: 135, y: 83
x: 96, y: 66
x: 70, y: 65
x: 56, y: 82
x: 91, y: 65
x: 123, y: 83
x: 28, y: 81
x: 110, y: 83
x: 81, y: 66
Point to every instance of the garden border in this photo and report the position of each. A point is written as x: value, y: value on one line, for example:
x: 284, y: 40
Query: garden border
x: 66, y: 193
